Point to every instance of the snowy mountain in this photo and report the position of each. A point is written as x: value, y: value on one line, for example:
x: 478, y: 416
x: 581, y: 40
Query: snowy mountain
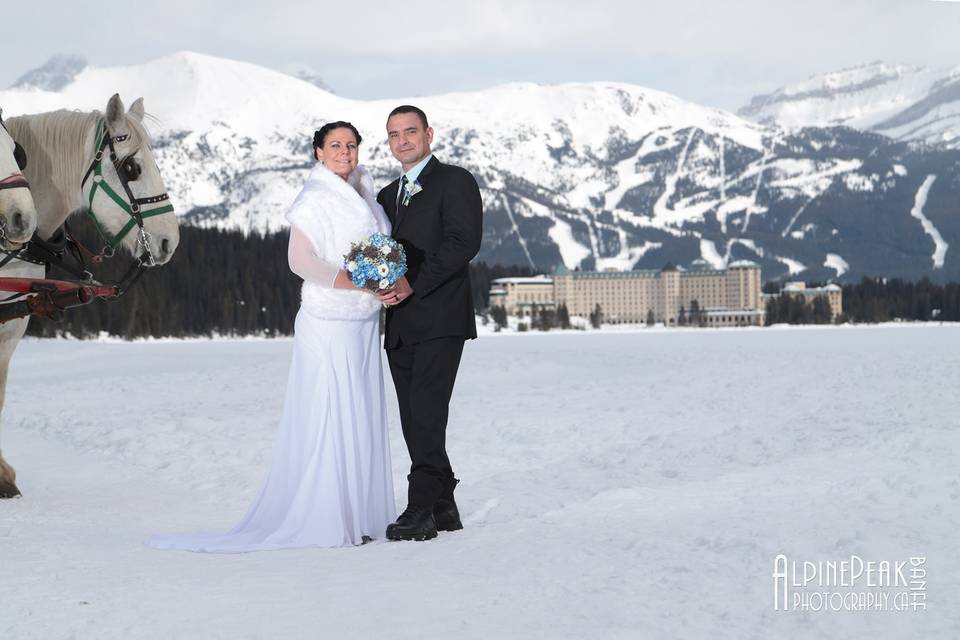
x: 53, y: 75
x: 902, y: 102
x: 308, y: 74
x: 597, y: 175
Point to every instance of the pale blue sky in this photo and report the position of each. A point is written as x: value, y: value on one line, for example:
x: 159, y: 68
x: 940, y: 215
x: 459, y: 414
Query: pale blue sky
x: 718, y: 53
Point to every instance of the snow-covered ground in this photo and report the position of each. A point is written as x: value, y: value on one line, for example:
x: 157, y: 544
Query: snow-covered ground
x: 615, y: 485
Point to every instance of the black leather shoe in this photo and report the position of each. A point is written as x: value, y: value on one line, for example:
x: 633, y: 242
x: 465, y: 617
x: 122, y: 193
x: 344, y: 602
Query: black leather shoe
x: 415, y: 523
x: 447, y: 515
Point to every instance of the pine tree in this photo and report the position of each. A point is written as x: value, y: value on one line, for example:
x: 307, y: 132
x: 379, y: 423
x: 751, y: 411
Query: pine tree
x: 697, y: 317
x: 230, y: 283
x: 821, y: 310
x: 547, y: 319
x: 563, y: 316
x: 499, y: 315
x: 596, y: 317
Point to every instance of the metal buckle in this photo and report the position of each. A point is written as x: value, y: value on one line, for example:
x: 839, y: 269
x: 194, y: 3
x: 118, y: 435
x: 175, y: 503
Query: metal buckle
x: 106, y: 253
x: 144, y: 239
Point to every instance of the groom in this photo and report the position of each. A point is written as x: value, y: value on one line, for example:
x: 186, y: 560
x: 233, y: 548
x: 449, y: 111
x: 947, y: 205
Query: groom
x: 436, y: 212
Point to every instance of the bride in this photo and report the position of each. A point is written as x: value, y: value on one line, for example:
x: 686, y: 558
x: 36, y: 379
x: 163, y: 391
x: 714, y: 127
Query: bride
x: 329, y: 484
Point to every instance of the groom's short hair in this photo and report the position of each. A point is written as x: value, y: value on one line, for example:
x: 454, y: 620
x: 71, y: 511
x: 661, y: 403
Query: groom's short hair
x: 409, y: 108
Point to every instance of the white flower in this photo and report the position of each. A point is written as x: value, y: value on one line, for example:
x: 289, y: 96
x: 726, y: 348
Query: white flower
x: 385, y: 249
x: 384, y: 283
x: 411, y: 189
x: 383, y: 269
x: 351, y: 266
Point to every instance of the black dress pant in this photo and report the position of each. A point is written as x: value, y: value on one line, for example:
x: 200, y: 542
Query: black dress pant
x: 424, y: 374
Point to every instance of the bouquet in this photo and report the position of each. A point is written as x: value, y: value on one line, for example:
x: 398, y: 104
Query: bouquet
x: 376, y: 263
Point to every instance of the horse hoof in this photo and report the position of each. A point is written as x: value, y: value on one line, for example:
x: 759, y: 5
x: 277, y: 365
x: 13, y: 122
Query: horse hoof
x: 9, y: 490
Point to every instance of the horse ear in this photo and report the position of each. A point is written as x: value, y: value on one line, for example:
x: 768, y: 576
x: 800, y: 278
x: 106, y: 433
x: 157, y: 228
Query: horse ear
x: 115, y: 110
x: 136, y: 109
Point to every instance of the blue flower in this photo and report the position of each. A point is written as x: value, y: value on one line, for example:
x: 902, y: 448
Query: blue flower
x: 371, y: 269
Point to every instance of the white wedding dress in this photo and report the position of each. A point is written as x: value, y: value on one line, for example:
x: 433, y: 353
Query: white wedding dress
x: 329, y: 483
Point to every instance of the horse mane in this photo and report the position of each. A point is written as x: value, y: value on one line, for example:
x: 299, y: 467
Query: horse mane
x: 66, y: 131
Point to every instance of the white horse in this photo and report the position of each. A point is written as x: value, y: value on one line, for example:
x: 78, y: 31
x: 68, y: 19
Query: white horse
x: 99, y: 164
x: 18, y: 220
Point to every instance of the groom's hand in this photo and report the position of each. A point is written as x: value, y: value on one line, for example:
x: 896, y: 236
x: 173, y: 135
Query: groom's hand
x: 400, y: 292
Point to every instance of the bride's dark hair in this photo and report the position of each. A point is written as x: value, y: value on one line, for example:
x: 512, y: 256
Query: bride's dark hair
x: 321, y: 134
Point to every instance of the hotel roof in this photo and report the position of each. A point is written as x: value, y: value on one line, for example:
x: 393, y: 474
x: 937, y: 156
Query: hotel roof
x: 525, y: 280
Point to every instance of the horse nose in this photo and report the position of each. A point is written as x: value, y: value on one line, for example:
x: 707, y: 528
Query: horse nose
x: 15, y: 226
x: 18, y: 223
x: 165, y: 248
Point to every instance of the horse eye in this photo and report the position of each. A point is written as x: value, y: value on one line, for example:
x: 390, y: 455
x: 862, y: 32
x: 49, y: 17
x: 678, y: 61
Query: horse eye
x: 20, y: 155
x: 131, y: 169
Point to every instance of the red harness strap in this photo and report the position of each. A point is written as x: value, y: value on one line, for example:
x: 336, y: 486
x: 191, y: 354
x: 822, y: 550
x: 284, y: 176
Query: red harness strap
x: 37, y: 285
x: 50, y: 298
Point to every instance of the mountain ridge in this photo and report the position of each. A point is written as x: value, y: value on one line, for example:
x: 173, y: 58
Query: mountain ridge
x: 590, y: 175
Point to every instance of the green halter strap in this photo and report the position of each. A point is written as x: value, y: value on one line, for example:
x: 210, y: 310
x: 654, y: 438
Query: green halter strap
x: 102, y: 141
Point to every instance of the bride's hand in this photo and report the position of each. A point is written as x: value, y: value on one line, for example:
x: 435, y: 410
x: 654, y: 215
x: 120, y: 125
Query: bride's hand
x: 343, y: 281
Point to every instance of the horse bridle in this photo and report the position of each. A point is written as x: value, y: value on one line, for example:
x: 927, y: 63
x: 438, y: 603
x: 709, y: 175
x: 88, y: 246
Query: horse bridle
x: 63, y: 244
x: 104, y: 140
x: 15, y: 181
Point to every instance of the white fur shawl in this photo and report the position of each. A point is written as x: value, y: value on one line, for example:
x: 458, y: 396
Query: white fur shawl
x: 332, y: 213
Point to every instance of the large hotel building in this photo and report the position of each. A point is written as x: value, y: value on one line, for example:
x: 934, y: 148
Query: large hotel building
x: 727, y: 297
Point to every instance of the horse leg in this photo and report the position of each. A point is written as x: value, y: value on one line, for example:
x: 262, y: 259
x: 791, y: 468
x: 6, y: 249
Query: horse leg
x: 10, y: 335
x: 8, y: 477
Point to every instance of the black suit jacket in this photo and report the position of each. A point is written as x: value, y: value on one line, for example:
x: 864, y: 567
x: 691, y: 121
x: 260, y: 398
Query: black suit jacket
x: 440, y: 230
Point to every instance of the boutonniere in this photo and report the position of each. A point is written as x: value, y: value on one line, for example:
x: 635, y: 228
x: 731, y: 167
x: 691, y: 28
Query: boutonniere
x: 411, y: 189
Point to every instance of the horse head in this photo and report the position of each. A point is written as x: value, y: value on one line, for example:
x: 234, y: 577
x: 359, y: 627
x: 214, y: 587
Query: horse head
x: 18, y: 215
x: 123, y: 188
